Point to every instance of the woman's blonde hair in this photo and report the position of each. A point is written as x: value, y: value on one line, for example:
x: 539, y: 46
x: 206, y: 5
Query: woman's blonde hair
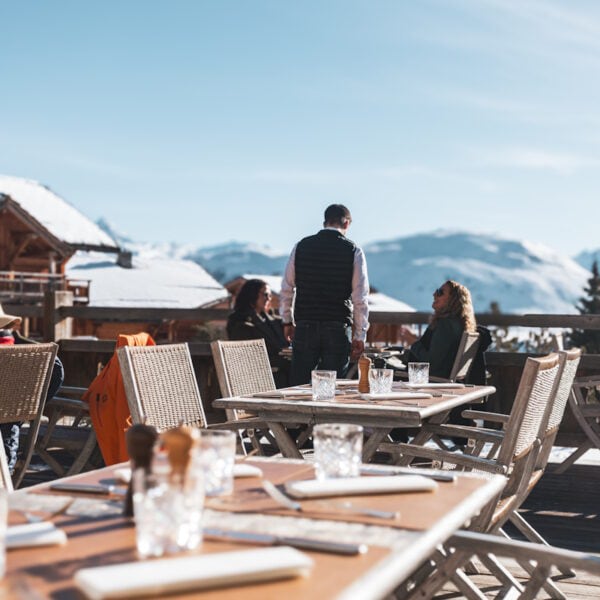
x: 459, y: 305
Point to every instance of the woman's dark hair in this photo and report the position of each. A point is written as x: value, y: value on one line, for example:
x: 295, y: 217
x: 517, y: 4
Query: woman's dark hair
x: 248, y: 294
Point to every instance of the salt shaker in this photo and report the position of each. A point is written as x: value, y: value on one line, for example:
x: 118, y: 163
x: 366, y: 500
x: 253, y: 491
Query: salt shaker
x: 140, y: 441
x: 364, y: 365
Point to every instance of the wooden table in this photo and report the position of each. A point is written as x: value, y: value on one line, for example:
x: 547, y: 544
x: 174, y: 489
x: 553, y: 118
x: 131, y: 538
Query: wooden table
x: 427, y: 518
x: 380, y: 417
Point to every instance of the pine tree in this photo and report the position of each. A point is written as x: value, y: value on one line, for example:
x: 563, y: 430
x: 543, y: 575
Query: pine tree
x: 589, y: 340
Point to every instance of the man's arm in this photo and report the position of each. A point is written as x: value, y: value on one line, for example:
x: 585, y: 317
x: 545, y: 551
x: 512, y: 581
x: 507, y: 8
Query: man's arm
x: 360, y: 301
x: 286, y: 297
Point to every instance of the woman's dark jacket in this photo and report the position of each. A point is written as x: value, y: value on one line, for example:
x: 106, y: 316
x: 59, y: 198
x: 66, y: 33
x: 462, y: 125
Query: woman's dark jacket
x: 438, y: 346
x: 250, y: 326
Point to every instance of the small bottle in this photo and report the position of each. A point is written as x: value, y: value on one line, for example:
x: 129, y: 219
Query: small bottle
x: 364, y: 365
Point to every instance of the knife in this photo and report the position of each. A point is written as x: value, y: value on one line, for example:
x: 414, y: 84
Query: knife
x: 84, y: 488
x: 375, y: 470
x: 265, y: 539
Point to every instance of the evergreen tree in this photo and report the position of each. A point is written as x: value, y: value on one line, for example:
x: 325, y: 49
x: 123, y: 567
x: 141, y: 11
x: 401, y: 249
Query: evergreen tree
x: 589, y: 340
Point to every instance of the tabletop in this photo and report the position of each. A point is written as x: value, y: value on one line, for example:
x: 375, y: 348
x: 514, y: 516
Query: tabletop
x: 396, y: 547
x: 281, y: 407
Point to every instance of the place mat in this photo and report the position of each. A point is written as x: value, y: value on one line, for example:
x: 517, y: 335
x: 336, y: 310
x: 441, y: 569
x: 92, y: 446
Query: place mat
x: 302, y: 526
x: 169, y: 575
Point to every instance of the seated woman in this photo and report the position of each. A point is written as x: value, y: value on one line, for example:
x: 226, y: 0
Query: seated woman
x: 453, y: 314
x: 252, y: 318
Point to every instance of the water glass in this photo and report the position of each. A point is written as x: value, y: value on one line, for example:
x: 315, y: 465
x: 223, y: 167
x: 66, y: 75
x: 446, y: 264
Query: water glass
x: 338, y: 450
x: 168, y: 516
x: 323, y: 385
x: 418, y: 373
x: 3, y: 525
x: 380, y: 381
x: 214, y: 457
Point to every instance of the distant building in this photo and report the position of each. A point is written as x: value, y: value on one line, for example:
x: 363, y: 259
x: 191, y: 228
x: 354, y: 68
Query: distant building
x: 39, y: 232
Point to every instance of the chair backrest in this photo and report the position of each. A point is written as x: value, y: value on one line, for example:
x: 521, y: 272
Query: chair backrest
x: 25, y: 373
x: 568, y: 364
x: 161, y: 386
x: 243, y: 368
x: 467, y: 350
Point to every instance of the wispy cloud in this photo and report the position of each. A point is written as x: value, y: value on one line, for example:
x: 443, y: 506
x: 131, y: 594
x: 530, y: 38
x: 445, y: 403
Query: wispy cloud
x: 536, y: 159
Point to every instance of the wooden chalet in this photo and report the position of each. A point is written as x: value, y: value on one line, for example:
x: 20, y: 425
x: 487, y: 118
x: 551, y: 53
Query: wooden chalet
x: 39, y: 232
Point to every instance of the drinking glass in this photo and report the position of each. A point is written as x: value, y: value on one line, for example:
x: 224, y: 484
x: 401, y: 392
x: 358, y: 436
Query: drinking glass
x: 380, y: 381
x: 338, y: 450
x: 168, y: 516
x: 418, y: 373
x: 323, y: 385
x: 214, y: 457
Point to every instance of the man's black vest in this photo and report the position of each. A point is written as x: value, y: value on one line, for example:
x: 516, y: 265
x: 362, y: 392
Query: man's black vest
x: 324, y: 265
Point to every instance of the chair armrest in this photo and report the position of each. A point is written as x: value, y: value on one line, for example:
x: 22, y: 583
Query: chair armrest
x: 473, y: 433
x: 456, y: 458
x: 588, y: 381
x: 486, y: 416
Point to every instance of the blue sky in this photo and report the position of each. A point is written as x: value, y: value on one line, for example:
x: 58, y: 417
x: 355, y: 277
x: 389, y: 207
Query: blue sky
x: 202, y: 122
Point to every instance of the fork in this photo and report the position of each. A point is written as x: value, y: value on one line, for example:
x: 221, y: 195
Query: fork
x: 283, y: 500
x: 31, y: 518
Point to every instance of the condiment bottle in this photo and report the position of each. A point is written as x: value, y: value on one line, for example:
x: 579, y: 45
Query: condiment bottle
x: 364, y: 365
x: 178, y: 443
x: 140, y: 440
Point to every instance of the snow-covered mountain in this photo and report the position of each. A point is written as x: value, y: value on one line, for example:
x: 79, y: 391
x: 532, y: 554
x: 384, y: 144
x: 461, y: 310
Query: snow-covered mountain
x: 520, y: 276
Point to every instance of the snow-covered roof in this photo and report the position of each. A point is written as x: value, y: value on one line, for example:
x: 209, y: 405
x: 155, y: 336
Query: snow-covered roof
x: 273, y: 281
x: 156, y: 283
x: 56, y: 215
x: 379, y: 302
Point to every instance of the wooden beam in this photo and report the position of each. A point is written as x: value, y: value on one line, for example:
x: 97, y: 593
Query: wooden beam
x: 19, y: 248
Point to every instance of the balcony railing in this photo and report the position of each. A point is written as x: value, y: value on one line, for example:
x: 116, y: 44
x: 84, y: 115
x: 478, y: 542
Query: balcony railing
x: 21, y: 287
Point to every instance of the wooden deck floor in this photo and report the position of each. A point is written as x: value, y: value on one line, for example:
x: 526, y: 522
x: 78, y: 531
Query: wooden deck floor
x: 563, y: 508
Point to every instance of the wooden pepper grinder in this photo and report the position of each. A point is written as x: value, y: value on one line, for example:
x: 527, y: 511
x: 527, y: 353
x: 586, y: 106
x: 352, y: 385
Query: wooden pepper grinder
x: 364, y: 365
x: 178, y: 443
x: 140, y: 440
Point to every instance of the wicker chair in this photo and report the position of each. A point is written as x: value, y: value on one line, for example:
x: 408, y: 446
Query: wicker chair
x: 25, y: 371
x: 584, y: 403
x: 516, y: 451
x: 243, y: 368
x: 161, y: 386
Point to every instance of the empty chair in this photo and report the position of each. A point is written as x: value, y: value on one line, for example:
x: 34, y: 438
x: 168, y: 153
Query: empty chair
x: 25, y: 372
x: 584, y: 402
x: 161, y: 386
x: 243, y: 368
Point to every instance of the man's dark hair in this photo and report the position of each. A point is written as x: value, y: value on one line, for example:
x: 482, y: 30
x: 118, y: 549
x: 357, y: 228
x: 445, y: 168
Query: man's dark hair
x: 337, y: 214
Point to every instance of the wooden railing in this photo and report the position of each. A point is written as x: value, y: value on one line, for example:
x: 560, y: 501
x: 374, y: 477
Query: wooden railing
x: 22, y: 287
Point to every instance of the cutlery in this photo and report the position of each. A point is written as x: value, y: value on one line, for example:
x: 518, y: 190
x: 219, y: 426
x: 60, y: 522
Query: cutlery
x: 84, y: 488
x: 285, y: 501
x: 46, y: 516
x: 276, y: 540
x: 374, y: 470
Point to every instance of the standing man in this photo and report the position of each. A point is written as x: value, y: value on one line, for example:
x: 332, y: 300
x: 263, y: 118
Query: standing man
x: 328, y: 273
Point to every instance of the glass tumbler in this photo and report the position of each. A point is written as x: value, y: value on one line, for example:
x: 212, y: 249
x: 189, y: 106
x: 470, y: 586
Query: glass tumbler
x: 418, y: 373
x: 214, y: 457
x: 338, y: 450
x: 380, y: 381
x: 323, y: 385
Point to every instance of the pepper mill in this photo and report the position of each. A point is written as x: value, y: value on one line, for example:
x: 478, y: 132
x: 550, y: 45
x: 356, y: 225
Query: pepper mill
x: 178, y: 443
x: 364, y: 365
x: 140, y: 440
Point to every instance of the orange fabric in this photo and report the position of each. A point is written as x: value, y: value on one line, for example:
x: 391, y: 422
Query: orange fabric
x: 108, y: 404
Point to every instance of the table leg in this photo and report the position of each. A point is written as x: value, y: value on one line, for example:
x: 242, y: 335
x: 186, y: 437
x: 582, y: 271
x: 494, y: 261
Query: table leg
x: 372, y: 443
x: 284, y: 441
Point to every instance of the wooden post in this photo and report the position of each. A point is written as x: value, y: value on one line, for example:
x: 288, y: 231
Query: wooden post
x: 56, y: 327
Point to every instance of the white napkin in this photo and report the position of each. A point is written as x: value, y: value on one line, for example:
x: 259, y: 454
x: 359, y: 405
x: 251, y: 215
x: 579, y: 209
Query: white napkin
x: 284, y: 393
x: 240, y: 470
x: 245, y: 470
x: 34, y: 534
x: 358, y: 486
x: 433, y: 385
x: 397, y: 396
x: 155, y: 577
